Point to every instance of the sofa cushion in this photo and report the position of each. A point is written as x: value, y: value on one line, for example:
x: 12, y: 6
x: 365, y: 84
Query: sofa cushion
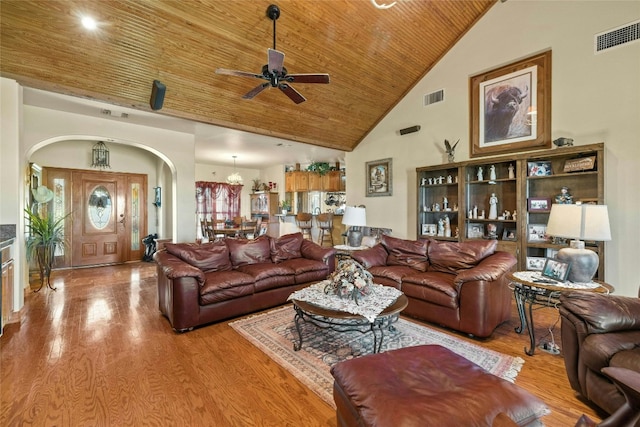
x: 451, y: 257
x: 225, y: 285
x: 411, y: 253
x: 286, y: 247
x: 599, y: 349
x: 433, y: 286
x: 373, y: 257
x: 245, y: 251
x: 207, y: 257
x: 394, y: 273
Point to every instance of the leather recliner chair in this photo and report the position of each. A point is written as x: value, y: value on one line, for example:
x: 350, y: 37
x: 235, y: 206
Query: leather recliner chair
x: 599, y: 331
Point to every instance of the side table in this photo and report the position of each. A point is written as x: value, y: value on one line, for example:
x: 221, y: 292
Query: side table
x: 528, y: 289
x: 345, y: 251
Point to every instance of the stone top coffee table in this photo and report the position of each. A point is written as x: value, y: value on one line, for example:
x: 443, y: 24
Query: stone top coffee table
x: 343, y: 321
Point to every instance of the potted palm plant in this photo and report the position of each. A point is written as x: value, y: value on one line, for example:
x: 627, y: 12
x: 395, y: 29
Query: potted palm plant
x: 45, y: 235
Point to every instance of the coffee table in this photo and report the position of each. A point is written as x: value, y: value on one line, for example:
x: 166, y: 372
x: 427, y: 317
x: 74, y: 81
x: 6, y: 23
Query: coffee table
x: 342, y: 321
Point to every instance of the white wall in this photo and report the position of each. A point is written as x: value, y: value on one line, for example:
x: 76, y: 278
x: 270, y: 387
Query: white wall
x: 595, y: 98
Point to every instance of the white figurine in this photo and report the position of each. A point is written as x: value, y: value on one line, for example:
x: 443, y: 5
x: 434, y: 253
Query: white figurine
x: 445, y: 204
x: 441, y: 227
x: 480, y: 173
x: 447, y: 227
x: 475, y: 212
x: 511, y: 172
x: 493, y: 206
x: 514, y: 216
x: 492, y: 173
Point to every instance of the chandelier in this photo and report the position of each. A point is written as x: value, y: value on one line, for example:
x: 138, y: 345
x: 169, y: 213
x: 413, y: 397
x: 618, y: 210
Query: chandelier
x: 234, y: 178
x: 100, y: 156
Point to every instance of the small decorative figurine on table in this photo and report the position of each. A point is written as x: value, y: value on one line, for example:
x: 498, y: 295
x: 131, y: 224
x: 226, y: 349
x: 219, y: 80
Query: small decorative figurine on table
x: 564, y: 198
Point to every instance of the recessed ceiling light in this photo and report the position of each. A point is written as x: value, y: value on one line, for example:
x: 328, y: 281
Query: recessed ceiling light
x: 89, y: 23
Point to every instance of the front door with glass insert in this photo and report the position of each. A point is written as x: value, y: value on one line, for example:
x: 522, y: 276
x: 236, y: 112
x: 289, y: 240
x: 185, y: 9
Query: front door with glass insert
x: 108, y: 219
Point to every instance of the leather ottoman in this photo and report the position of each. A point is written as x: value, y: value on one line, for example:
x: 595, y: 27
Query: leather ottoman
x: 427, y: 385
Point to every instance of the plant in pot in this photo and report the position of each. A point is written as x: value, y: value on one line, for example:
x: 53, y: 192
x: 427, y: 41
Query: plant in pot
x: 285, y: 206
x: 45, y: 236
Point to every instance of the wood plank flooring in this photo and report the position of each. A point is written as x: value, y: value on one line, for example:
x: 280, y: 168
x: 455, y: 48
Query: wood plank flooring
x: 97, y: 352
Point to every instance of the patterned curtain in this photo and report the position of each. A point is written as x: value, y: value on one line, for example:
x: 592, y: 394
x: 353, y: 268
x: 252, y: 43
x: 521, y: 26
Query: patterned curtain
x: 216, y: 200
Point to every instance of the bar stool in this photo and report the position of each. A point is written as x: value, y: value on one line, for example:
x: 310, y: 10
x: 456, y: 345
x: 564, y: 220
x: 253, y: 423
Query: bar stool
x: 303, y: 221
x: 325, y: 223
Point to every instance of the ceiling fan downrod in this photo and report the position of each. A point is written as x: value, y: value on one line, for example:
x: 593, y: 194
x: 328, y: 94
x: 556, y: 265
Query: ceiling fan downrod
x: 273, y: 13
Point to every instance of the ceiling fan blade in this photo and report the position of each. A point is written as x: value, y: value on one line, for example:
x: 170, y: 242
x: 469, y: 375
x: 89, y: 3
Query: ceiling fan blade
x: 292, y: 93
x: 308, y: 78
x: 276, y: 60
x: 256, y: 90
x: 238, y: 73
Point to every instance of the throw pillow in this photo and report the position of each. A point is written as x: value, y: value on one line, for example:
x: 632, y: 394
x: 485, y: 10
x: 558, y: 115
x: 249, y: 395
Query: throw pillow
x: 410, y: 253
x: 245, y: 251
x: 213, y: 256
x: 372, y: 257
x: 286, y: 247
x: 451, y: 257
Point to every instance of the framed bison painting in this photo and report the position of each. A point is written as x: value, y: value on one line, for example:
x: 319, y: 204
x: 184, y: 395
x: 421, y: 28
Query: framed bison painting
x: 510, y: 107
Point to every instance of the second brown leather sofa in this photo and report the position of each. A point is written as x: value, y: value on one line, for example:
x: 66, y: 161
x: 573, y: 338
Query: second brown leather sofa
x: 460, y: 285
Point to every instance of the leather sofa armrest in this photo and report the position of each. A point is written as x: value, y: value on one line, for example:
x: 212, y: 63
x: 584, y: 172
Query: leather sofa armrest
x: 602, y: 313
x: 174, y: 268
x: 311, y: 250
x: 489, y: 269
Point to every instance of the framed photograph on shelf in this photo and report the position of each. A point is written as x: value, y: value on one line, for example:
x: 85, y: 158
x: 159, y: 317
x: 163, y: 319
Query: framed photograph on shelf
x: 537, y: 233
x: 429, y: 229
x: 535, y: 263
x: 539, y: 169
x: 511, y: 107
x: 539, y: 204
x: 509, y: 234
x: 379, y: 178
x: 556, y: 270
x: 475, y: 231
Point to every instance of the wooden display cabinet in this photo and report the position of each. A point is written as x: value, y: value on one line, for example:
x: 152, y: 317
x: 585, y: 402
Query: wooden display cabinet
x: 536, y: 179
x: 264, y: 203
x: 438, y: 198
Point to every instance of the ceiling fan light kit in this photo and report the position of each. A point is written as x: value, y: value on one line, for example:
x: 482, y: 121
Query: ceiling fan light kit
x: 274, y: 72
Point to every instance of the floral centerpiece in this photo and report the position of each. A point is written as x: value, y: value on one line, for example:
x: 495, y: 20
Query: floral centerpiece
x: 349, y: 280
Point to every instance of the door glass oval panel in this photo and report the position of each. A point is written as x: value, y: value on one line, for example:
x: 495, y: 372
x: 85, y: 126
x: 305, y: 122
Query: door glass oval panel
x: 100, y: 207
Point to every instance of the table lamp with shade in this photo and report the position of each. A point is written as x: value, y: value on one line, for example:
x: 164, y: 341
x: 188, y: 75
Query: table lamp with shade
x: 355, y: 217
x: 579, y: 222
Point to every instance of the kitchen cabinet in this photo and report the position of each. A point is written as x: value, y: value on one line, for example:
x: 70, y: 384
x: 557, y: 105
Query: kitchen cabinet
x: 296, y: 181
x: 315, y: 181
x: 333, y: 181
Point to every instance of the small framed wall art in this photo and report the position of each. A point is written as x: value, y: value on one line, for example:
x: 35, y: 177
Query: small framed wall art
x: 539, y: 204
x: 379, y: 175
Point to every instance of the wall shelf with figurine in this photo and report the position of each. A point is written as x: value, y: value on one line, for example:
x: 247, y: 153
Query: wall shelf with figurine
x: 508, y: 198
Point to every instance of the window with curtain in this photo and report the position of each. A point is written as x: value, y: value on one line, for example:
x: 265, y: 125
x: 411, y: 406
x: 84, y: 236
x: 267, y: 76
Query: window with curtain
x: 216, y: 200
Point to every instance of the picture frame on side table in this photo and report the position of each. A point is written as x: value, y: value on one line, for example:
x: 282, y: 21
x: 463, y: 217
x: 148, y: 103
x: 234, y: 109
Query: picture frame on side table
x: 537, y: 233
x: 510, y: 107
x: 535, y: 263
x: 379, y: 175
x: 556, y: 270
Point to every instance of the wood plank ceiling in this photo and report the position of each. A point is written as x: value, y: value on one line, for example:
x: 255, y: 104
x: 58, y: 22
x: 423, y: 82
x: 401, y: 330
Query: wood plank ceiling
x: 373, y: 56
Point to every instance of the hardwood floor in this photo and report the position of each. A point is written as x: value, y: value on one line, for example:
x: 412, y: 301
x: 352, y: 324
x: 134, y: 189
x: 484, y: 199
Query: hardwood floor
x: 97, y: 352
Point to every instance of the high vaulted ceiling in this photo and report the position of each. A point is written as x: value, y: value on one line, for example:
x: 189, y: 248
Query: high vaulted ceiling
x: 374, y: 56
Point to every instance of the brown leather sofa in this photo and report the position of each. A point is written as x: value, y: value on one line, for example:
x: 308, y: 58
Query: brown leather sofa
x: 460, y: 285
x: 599, y: 331
x: 199, y: 284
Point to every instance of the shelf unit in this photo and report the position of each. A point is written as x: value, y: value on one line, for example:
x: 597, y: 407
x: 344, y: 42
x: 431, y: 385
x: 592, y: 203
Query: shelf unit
x: 514, y: 186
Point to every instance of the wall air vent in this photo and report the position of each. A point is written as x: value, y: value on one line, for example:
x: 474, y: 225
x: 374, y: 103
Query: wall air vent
x: 433, y: 97
x: 617, y: 37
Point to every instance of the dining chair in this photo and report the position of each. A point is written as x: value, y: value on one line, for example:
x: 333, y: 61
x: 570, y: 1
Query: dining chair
x: 304, y: 221
x: 325, y: 224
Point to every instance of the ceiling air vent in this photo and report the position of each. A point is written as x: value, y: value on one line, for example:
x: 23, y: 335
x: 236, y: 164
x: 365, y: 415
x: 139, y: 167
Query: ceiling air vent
x: 433, y: 97
x: 617, y: 37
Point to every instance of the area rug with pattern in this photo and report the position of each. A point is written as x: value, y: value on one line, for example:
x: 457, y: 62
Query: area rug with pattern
x: 274, y: 333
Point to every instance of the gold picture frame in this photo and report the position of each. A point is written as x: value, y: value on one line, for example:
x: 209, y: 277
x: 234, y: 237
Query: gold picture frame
x: 379, y: 176
x: 510, y: 107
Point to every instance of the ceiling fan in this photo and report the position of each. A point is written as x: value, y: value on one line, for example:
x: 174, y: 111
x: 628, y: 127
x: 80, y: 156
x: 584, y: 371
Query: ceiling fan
x: 274, y: 72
